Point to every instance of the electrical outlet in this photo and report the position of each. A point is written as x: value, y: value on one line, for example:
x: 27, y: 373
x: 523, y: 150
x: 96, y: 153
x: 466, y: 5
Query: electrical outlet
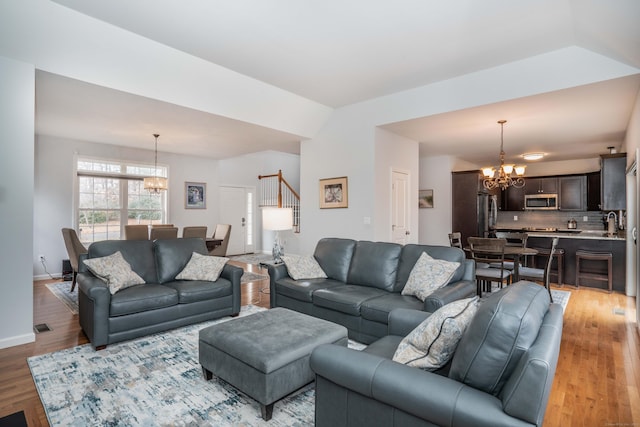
x: 585, y: 218
x: 515, y: 217
x: 41, y: 258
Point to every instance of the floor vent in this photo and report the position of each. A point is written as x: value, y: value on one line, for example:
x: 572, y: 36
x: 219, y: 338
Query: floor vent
x: 619, y: 311
x: 41, y: 327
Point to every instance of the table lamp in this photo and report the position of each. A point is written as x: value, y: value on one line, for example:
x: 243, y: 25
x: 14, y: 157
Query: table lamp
x: 277, y: 219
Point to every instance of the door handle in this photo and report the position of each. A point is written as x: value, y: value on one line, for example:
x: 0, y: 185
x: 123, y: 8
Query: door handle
x: 407, y: 232
x: 634, y: 234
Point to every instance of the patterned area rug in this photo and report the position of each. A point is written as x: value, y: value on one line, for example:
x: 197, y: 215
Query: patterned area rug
x: 252, y: 258
x: 154, y: 380
x: 559, y: 297
x: 62, y: 290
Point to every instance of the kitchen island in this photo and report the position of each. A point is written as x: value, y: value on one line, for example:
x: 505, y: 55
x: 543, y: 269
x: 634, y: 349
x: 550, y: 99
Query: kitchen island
x: 589, y: 240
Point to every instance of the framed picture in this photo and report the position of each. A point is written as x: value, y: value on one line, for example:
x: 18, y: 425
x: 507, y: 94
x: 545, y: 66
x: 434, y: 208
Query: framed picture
x: 425, y: 199
x: 195, y: 195
x: 334, y: 193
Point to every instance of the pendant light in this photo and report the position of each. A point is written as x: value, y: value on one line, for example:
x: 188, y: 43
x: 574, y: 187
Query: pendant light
x: 504, y: 179
x: 155, y: 184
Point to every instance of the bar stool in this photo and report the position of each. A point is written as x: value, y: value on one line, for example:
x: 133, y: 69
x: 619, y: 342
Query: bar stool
x: 595, y: 256
x: 559, y: 256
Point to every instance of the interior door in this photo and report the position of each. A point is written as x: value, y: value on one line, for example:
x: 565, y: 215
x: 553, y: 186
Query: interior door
x: 400, y: 207
x: 237, y: 207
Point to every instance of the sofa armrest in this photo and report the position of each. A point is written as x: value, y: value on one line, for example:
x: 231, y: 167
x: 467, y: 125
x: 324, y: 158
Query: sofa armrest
x: 469, y: 270
x: 403, y: 320
x: 451, y: 292
x: 94, y: 302
x: 276, y: 272
x: 234, y: 275
x: 436, y: 399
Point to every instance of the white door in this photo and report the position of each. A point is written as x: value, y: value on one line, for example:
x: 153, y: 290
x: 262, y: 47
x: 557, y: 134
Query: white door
x: 237, y: 207
x: 400, y: 207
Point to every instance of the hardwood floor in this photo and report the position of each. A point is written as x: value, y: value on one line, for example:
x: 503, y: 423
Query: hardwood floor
x: 597, y: 381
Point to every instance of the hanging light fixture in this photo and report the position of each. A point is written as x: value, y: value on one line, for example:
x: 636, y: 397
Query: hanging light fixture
x: 155, y: 184
x: 504, y: 179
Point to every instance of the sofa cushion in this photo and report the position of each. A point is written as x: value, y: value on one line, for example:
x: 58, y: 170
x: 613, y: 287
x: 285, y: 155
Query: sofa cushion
x: 200, y: 290
x: 138, y: 253
x: 378, y: 309
x: 427, y: 275
x: 115, y: 271
x: 345, y: 299
x: 505, y: 326
x: 202, y: 267
x: 303, y: 267
x: 411, y: 253
x: 139, y: 298
x: 172, y: 255
x: 432, y: 343
x: 334, y: 256
x: 302, y: 290
x: 374, y: 264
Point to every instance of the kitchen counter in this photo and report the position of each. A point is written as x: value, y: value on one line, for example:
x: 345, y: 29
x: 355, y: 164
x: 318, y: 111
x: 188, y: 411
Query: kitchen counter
x: 571, y: 234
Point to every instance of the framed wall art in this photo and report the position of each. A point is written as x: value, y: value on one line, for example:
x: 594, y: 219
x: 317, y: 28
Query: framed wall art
x: 334, y: 193
x: 425, y: 199
x: 195, y: 195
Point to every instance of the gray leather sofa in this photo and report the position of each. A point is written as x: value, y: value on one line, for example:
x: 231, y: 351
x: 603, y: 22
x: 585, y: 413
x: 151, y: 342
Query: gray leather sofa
x: 161, y: 303
x: 364, y: 283
x: 500, y: 374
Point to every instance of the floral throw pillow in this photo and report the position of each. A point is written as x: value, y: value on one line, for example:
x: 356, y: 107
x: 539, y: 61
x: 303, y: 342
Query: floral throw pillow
x: 303, y: 267
x: 115, y: 271
x: 427, y: 275
x: 202, y: 267
x: 432, y: 343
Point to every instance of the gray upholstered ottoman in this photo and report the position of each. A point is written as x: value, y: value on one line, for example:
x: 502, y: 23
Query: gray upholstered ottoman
x: 266, y: 354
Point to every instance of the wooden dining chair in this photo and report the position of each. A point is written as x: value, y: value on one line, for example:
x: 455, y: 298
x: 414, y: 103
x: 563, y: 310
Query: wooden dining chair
x: 195, y: 231
x: 455, y: 240
x: 541, y: 274
x: 513, y: 239
x: 489, y: 251
x: 222, y: 232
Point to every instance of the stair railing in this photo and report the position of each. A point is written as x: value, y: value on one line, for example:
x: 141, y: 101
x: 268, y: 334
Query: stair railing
x: 275, y: 191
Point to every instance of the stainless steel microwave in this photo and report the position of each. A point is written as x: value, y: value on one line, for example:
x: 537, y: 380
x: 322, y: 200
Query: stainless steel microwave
x: 541, y: 202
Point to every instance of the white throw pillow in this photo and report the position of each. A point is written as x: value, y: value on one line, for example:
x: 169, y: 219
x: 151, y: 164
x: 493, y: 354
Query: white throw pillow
x: 202, y: 267
x: 115, y: 271
x: 303, y: 267
x: 427, y: 275
x: 432, y: 343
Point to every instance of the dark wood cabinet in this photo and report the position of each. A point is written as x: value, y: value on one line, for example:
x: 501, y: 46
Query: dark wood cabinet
x: 572, y: 193
x: 613, y: 182
x: 541, y: 185
x: 593, y: 191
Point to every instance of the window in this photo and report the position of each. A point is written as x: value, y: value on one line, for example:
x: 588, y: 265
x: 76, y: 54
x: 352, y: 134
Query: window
x: 110, y: 195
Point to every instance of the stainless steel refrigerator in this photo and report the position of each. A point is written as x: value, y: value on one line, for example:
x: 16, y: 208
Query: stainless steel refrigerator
x: 487, y: 214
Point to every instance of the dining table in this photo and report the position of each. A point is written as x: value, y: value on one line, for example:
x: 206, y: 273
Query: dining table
x: 212, y: 243
x: 514, y: 253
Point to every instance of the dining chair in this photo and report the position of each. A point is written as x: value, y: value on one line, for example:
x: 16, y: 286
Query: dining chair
x: 541, y: 274
x: 136, y: 232
x: 160, y: 233
x: 486, y: 250
x: 74, y: 249
x: 195, y: 231
x: 222, y: 232
x: 455, y: 240
x: 513, y: 239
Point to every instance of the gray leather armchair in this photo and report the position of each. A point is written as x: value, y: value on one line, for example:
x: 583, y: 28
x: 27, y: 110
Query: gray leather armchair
x: 500, y: 375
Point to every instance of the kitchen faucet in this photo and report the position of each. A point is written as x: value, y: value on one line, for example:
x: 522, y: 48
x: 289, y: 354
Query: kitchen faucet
x: 611, y: 225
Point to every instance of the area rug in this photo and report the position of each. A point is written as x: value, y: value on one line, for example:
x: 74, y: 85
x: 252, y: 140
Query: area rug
x: 154, y: 380
x: 62, y: 290
x: 558, y: 296
x: 252, y: 258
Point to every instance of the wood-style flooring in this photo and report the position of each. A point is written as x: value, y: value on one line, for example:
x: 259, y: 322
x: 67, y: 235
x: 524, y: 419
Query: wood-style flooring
x: 597, y: 381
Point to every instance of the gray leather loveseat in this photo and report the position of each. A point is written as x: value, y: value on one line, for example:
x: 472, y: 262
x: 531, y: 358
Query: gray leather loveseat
x: 500, y: 374
x: 364, y: 283
x: 161, y: 303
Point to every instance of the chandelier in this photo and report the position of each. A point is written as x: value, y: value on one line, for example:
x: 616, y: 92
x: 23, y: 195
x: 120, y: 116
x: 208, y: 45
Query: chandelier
x: 504, y: 179
x: 155, y: 184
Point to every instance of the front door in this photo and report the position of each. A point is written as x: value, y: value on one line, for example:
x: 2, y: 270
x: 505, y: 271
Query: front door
x: 400, y: 207
x: 237, y: 207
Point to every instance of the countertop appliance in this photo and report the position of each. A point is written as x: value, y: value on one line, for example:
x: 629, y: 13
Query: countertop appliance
x: 543, y: 202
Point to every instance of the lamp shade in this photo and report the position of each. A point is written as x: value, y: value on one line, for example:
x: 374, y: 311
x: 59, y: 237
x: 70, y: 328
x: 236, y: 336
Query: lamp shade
x: 277, y: 219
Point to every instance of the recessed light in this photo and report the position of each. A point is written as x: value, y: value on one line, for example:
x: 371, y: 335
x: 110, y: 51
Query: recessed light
x: 533, y: 156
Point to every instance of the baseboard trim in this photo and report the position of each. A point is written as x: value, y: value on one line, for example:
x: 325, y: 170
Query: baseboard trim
x: 17, y: 340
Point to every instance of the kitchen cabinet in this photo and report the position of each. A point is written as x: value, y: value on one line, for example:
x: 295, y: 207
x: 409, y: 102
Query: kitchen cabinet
x: 513, y: 199
x: 613, y: 182
x: 593, y: 191
x: 541, y: 185
x: 572, y: 193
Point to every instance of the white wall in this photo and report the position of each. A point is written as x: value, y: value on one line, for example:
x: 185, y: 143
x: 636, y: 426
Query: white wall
x: 17, y: 87
x: 53, y: 194
x: 435, y: 223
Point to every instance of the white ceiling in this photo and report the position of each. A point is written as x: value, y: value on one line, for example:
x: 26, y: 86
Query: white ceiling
x: 338, y: 52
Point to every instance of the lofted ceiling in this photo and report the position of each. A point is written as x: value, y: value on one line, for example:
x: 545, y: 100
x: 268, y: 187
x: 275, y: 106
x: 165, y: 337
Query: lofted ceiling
x: 338, y: 53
